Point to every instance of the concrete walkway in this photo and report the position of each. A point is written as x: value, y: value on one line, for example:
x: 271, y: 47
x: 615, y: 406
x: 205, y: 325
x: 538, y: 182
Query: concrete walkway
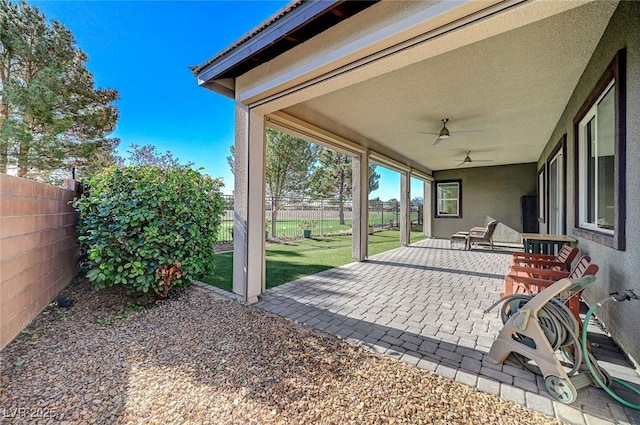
x: 424, y: 305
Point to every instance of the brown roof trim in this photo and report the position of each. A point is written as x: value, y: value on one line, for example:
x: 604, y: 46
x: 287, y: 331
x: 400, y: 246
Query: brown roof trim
x: 297, y: 22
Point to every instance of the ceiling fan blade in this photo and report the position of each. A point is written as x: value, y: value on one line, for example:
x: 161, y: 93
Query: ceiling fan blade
x: 482, y: 160
x: 438, y: 140
x: 428, y: 132
x: 466, y: 131
x: 462, y: 163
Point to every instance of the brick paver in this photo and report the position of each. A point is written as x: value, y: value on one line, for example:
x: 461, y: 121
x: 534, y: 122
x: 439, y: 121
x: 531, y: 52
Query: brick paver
x: 424, y: 305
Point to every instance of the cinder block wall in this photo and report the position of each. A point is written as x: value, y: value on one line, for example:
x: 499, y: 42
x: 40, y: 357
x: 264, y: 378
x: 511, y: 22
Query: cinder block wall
x: 38, y: 251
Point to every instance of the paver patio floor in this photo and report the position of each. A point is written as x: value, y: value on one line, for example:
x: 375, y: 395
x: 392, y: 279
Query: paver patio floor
x: 424, y: 305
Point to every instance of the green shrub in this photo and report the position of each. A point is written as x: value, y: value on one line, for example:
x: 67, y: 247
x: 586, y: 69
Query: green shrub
x: 307, y: 224
x: 148, y: 228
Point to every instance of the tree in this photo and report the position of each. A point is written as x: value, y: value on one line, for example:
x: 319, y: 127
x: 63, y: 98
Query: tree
x: 51, y: 115
x: 149, y: 155
x: 392, y: 204
x: 289, y: 161
x: 418, y: 202
x: 231, y: 159
x: 333, y: 177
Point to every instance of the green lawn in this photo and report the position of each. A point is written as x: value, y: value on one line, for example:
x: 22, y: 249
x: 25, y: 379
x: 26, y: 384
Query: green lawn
x: 293, y: 260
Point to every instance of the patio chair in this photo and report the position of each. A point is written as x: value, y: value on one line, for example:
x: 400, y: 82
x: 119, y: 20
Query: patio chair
x: 483, y: 234
x: 560, y: 262
x: 530, y: 280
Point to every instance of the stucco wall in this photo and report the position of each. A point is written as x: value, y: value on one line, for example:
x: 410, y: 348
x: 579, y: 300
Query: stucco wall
x: 489, y: 193
x: 38, y: 251
x: 619, y: 270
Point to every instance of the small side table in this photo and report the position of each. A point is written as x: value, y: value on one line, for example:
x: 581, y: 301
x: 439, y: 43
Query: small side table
x: 459, y: 238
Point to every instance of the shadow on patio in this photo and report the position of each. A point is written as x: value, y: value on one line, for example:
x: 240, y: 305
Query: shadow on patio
x: 424, y: 305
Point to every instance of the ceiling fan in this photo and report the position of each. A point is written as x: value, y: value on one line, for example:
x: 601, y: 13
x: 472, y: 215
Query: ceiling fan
x: 444, y: 132
x: 467, y: 160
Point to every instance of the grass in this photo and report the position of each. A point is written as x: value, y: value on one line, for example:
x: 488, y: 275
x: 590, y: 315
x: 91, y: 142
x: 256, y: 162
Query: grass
x: 293, y: 260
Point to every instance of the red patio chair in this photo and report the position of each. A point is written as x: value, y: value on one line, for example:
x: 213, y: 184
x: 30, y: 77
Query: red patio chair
x: 529, y: 280
x: 560, y: 262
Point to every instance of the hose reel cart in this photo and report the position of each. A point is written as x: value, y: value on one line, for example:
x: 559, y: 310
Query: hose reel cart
x: 536, y: 327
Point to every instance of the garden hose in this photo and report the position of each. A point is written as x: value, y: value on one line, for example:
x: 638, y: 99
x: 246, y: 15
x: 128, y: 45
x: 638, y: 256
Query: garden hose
x: 593, y: 366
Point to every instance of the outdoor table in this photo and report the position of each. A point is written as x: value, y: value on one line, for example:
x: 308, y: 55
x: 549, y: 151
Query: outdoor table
x: 543, y: 243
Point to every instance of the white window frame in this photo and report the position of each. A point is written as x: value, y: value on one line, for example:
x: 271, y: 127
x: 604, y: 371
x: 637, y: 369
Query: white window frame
x: 583, y: 165
x: 616, y: 71
x: 458, y: 200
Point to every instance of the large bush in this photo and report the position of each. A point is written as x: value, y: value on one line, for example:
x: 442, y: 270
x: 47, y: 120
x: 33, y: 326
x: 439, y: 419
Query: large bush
x: 148, y: 227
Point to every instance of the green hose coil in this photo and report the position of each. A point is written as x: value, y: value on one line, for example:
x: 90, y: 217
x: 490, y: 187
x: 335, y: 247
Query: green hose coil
x: 594, y: 372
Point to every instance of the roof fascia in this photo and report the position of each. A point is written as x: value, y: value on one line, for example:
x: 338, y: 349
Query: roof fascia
x: 292, y: 20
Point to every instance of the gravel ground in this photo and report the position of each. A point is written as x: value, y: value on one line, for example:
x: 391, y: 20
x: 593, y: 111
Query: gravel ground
x: 198, y: 359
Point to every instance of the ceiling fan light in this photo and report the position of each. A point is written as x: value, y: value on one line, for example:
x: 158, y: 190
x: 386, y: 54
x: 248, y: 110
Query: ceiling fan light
x: 444, y: 132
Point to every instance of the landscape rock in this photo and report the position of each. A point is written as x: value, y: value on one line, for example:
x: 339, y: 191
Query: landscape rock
x: 198, y: 359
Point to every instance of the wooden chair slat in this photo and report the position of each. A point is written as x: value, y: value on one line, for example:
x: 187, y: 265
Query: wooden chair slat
x: 528, y: 280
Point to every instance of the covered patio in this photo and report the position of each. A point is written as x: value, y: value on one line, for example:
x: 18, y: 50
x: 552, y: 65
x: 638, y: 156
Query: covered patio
x: 424, y: 304
x: 528, y: 79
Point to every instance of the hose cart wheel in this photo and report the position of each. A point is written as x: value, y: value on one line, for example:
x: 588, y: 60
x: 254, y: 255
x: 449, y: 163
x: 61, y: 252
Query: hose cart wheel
x: 561, y: 389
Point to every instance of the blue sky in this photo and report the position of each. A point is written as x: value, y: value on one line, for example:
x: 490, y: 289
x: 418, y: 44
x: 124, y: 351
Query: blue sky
x: 143, y: 49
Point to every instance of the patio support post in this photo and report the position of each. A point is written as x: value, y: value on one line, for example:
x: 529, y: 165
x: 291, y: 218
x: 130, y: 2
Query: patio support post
x: 426, y: 209
x: 405, y: 208
x: 360, y: 214
x: 249, y: 194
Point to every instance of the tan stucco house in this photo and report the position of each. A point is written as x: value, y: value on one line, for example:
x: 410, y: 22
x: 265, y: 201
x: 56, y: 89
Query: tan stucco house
x: 552, y: 88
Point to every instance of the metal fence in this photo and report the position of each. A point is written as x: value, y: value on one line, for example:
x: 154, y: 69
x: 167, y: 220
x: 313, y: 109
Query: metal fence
x: 321, y: 216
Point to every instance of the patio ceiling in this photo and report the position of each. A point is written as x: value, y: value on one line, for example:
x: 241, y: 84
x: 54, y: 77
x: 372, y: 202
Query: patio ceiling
x: 513, y: 87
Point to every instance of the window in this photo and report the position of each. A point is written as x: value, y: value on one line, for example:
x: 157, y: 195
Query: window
x: 541, y: 196
x: 596, y: 171
x: 449, y: 199
x: 600, y: 159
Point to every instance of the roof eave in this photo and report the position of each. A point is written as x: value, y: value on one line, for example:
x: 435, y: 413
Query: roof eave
x: 224, y: 86
x: 290, y: 21
x: 280, y: 28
